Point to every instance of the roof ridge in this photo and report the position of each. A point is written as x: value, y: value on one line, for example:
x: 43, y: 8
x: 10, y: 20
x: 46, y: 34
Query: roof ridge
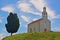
x: 36, y: 21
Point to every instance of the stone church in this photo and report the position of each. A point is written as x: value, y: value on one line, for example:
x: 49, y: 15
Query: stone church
x: 40, y: 25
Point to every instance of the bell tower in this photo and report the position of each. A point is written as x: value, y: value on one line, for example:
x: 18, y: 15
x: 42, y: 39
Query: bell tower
x: 44, y: 13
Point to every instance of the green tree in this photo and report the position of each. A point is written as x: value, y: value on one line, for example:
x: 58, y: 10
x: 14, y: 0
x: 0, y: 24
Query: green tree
x: 12, y: 25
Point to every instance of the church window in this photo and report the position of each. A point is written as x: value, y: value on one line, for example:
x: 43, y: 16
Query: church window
x: 30, y: 29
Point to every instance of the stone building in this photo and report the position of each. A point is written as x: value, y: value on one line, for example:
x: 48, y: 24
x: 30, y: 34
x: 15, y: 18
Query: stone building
x: 40, y: 25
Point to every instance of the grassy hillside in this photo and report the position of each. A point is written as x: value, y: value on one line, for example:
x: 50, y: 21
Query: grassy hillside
x: 35, y: 36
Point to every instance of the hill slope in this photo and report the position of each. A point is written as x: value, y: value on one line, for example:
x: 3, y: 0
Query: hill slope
x: 35, y: 36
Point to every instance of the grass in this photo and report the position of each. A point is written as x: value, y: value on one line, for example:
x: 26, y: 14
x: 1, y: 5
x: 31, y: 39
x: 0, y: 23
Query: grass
x: 35, y: 36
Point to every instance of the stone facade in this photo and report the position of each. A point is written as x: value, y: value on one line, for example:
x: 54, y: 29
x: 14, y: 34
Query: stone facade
x: 40, y: 25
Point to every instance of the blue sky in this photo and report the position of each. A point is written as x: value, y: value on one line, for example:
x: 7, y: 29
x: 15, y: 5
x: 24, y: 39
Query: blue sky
x: 28, y: 11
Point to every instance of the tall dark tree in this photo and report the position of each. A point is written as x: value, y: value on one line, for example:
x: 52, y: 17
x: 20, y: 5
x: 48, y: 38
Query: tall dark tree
x: 12, y: 25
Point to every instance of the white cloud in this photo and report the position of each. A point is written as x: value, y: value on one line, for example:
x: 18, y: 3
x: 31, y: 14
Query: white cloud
x: 26, y: 25
x: 25, y: 7
x: 22, y: 1
x: 25, y: 18
x: 35, y: 19
x: 1, y: 36
x: 58, y: 16
x: 39, y: 4
x: 51, y: 13
x: 13, y: 33
x: 56, y: 29
x: 7, y: 8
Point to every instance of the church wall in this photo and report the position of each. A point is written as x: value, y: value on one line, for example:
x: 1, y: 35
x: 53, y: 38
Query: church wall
x: 41, y: 26
x: 34, y: 27
x: 45, y: 25
x: 49, y: 26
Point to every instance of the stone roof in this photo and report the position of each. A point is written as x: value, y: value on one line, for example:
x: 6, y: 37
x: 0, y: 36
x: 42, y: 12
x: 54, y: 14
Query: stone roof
x: 36, y: 21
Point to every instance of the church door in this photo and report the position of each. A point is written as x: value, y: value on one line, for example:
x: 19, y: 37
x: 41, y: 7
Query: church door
x: 45, y: 30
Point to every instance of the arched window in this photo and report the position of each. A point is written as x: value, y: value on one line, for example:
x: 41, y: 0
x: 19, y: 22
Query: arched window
x: 30, y: 29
